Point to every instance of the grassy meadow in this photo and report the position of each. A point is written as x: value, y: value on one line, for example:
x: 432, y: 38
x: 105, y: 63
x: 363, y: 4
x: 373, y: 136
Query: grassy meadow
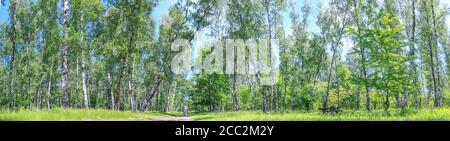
x: 78, y: 115
x: 442, y: 114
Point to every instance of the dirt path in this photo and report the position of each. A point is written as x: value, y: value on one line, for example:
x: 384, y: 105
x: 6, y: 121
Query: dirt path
x: 173, y: 118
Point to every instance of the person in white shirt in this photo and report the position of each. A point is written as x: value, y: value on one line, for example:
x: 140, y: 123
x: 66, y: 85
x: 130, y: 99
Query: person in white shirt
x: 186, y: 110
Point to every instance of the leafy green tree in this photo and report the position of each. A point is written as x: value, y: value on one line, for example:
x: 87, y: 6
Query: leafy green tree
x: 244, y: 19
x: 430, y: 50
x: 85, y: 13
x: 12, y: 37
x: 386, y: 55
x: 340, y: 8
x: 65, y: 80
x: 210, y: 92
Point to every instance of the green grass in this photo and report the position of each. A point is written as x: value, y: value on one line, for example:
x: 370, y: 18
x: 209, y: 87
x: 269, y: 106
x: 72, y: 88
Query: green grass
x: 78, y: 115
x: 442, y: 114
x: 392, y: 115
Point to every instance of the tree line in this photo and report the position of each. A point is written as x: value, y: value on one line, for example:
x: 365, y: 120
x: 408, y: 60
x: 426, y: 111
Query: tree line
x: 364, y: 55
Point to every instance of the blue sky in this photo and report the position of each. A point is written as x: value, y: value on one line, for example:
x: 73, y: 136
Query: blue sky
x: 4, y: 15
x: 161, y: 10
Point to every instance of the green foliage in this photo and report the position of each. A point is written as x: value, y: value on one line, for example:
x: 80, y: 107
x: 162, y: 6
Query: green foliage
x: 211, y: 93
x: 245, y: 97
x: 394, y: 115
x: 383, y: 38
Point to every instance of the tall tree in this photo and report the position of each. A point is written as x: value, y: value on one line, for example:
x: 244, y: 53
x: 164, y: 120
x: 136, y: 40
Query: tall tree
x: 340, y: 8
x: 12, y: 37
x: 428, y: 39
x: 272, y: 11
x: 85, y: 13
x: 358, y: 17
x: 409, y: 18
x: 65, y: 82
x: 437, y: 101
